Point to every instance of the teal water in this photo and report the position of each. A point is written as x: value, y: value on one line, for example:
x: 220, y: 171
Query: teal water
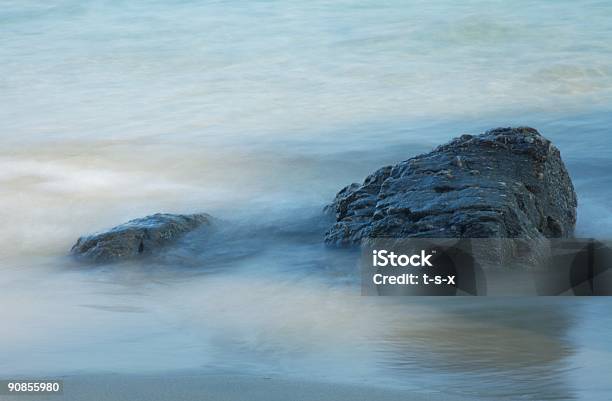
x: 258, y: 112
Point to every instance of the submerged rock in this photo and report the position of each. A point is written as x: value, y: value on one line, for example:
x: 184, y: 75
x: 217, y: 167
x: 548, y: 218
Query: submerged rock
x: 505, y: 183
x: 137, y: 237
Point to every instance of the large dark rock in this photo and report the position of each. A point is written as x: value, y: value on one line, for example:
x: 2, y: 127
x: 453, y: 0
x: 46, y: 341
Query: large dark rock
x: 137, y: 237
x: 505, y: 183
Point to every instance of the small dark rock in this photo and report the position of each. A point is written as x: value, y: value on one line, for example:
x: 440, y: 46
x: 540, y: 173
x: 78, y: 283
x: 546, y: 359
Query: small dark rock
x: 137, y: 237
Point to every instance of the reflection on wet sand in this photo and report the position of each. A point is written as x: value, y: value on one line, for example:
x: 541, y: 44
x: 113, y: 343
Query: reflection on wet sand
x: 488, y: 347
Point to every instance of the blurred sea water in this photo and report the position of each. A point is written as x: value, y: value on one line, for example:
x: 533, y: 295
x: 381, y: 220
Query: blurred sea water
x: 258, y: 112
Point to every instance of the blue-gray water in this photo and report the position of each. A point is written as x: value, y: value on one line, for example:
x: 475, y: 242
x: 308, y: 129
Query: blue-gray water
x: 258, y: 112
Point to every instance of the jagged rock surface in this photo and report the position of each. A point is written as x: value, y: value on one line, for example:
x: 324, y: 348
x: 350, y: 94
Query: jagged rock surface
x: 137, y: 237
x: 506, y: 183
